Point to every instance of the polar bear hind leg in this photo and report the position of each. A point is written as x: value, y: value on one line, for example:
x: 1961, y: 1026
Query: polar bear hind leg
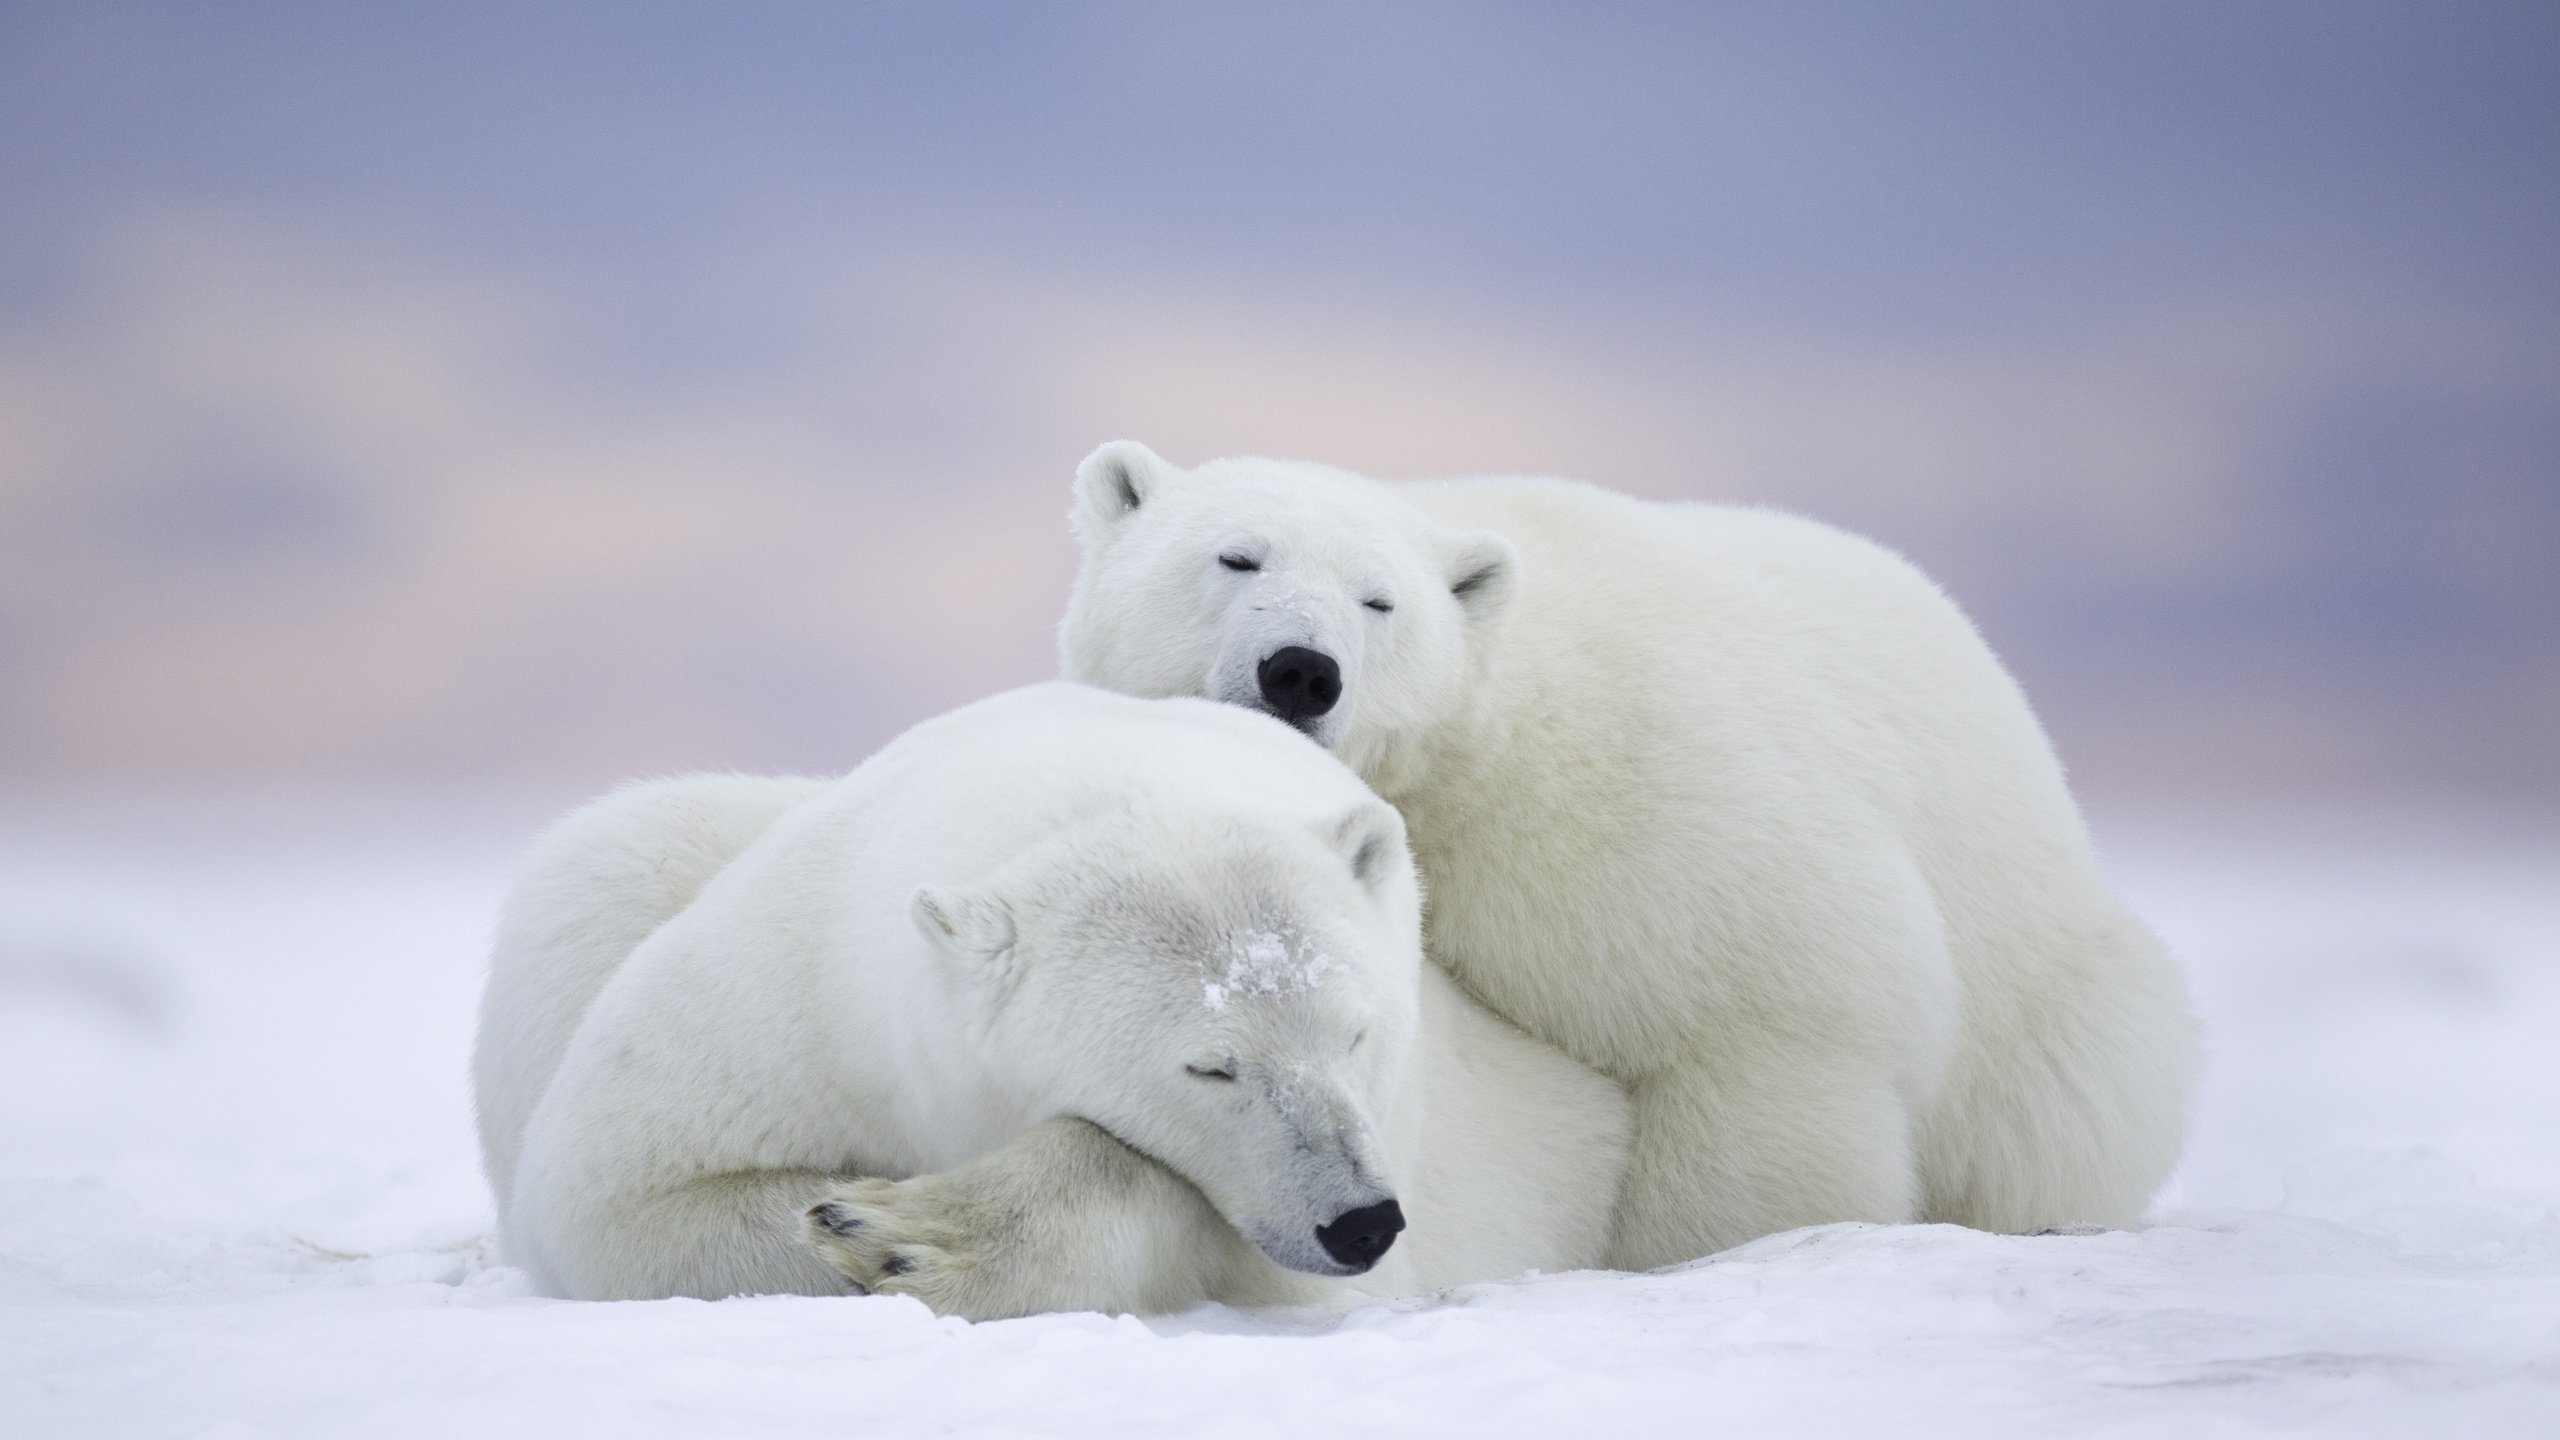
x: 1722, y: 1157
x: 595, y: 886
x: 2075, y: 1111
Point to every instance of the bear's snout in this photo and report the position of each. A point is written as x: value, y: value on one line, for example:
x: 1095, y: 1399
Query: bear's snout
x: 1300, y: 685
x: 1356, y: 1238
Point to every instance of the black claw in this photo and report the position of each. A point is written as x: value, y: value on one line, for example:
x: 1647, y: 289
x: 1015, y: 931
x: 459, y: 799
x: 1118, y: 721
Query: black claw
x: 896, y: 1265
x: 836, y: 1218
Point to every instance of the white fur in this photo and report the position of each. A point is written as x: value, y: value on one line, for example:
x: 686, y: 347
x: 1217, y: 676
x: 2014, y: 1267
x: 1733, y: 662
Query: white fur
x: 749, y: 1035
x: 1729, y: 805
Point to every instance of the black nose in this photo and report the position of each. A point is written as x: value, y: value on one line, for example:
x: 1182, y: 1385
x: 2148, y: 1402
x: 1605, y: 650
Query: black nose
x: 1358, y: 1237
x: 1299, y: 684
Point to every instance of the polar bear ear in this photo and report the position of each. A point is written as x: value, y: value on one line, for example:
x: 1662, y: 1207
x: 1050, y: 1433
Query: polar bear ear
x: 970, y: 927
x: 1484, y: 573
x: 1112, y: 483
x: 1369, y: 837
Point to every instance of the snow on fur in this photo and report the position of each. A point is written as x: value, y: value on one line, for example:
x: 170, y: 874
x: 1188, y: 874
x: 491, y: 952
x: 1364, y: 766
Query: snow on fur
x: 1267, y: 962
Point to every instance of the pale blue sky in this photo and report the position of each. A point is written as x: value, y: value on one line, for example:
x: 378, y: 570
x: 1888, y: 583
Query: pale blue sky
x: 483, y: 390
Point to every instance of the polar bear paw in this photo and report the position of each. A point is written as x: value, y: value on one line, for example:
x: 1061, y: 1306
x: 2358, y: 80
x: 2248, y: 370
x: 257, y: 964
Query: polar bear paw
x: 899, y: 1237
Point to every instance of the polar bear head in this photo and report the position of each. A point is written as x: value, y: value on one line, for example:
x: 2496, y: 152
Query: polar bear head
x: 1232, y: 996
x: 1303, y: 591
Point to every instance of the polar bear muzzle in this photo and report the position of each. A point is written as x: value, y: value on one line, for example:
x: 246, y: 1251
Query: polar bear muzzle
x: 1356, y: 1238
x: 1300, y: 685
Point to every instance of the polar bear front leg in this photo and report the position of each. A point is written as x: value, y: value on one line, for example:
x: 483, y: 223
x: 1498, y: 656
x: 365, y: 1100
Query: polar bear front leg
x: 1065, y: 1217
x: 1722, y: 1158
x: 709, y: 1236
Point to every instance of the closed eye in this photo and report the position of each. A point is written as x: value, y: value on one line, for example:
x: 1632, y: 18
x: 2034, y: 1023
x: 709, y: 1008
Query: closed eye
x: 1379, y: 603
x: 1210, y: 1072
x: 1240, y: 562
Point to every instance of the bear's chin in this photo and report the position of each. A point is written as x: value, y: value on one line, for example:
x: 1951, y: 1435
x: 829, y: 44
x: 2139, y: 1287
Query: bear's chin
x: 1314, y: 727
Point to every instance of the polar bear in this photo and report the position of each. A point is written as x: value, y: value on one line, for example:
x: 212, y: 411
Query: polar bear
x: 1064, y: 1000
x: 1731, y: 806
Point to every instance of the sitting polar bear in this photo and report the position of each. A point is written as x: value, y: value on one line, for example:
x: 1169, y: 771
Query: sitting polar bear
x: 759, y: 1035
x: 1729, y: 805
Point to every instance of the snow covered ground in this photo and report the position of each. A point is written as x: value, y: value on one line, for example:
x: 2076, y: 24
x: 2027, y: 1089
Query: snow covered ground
x: 238, y: 1194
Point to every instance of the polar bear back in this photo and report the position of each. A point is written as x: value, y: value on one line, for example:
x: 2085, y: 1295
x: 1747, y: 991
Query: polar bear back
x: 1814, y: 667
x: 1780, y: 635
x: 1706, y: 720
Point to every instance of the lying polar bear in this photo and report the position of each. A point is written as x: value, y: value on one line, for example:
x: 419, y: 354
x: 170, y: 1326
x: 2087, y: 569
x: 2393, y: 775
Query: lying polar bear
x: 1063, y: 1000
x: 1733, y: 807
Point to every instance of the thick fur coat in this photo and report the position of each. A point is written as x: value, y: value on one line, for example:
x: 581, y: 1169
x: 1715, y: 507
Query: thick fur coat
x: 1062, y: 1001
x: 1729, y: 805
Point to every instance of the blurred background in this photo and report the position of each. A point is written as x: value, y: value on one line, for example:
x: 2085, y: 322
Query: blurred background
x: 528, y: 395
